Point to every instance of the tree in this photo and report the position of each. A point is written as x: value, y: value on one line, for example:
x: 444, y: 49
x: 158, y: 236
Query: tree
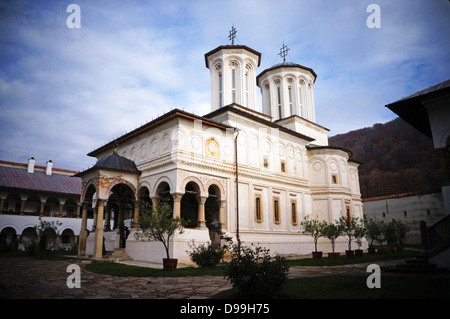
x: 332, y: 231
x: 348, y: 225
x: 314, y: 228
x: 374, y: 230
x: 44, y: 229
x: 158, y: 224
x: 395, y: 232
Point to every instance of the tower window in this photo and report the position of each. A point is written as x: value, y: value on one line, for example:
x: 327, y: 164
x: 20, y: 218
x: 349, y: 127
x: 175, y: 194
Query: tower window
x: 220, y: 89
x: 334, y: 179
x: 233, y: 85
x: 266, y: 162
x: 283, y: 167
x: 279, y: 101
x: 246, y: 89
x: 290, y: 100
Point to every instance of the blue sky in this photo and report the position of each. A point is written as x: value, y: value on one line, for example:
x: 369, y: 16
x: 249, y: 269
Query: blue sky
x: 65, y: 92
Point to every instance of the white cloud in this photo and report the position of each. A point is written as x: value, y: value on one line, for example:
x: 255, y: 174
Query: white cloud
x: 65, y: 92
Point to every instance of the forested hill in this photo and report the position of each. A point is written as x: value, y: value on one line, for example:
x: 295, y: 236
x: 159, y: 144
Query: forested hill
x: 396, y: 159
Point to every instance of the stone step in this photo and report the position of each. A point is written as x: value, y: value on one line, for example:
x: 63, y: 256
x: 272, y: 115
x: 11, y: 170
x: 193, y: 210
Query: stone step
x: 117, y: 254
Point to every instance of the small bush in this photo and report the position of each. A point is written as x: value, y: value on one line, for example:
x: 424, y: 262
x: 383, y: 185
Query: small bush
x: 206, y: 255
x: 255, y: 274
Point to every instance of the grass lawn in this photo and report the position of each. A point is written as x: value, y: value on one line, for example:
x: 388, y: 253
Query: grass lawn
x: 354, y: 287
x: 366, y: 258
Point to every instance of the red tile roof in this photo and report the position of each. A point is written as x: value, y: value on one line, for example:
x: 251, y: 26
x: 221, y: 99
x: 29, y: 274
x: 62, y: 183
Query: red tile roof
x: 19, y: 178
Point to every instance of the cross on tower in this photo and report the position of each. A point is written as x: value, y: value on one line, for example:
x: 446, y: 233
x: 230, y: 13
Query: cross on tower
x: 232, y: 35
x: 283, y: 52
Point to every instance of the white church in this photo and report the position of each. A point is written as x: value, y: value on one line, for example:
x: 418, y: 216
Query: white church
x: 244, y: 169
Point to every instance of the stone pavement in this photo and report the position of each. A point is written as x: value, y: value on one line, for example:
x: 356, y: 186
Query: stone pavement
x: 28, y: 278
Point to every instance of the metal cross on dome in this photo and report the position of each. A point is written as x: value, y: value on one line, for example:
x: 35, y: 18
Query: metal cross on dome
x: 232, y: 35
x: 283, y: 52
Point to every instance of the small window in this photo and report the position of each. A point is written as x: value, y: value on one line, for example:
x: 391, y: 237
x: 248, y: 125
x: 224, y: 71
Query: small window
x: 276, y: 211
x: 266, y: 162
x: 283, y: 166
x: 294, y: 213
x: 334, y: 179
x: 258, y: 212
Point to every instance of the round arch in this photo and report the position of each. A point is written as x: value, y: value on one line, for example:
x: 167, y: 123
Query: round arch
x: 189, y: 204
x: 159, y: 182
x: 196, y: 181
x: 216, y: 183
x: 88, y: 191
x: 8, y: 238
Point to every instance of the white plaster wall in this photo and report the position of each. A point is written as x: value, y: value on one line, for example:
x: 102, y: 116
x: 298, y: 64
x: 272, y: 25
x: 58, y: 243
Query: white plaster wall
x: 428, y: 207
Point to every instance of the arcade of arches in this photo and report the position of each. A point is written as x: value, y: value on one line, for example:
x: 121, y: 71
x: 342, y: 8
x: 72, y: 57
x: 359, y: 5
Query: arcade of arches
x: 124, y: 202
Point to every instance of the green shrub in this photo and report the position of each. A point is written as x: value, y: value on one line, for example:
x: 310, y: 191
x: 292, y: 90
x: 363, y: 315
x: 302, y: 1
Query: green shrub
x: 255, y: 274
x: 206, y: 255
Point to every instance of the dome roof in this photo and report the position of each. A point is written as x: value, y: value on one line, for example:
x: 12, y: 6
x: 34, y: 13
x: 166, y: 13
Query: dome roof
x: 117, y: 162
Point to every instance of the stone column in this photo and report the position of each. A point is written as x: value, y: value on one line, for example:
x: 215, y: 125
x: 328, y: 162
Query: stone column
x: 41, y: 209
x: 201, y: 212
x: 98, y: 241
x: 223, y: 215
x: 22, y: 206
x: 78, y: 210
x: 61, y: 208
x: 177, y: 205
x: 137, y: 208
x: 83, y: 232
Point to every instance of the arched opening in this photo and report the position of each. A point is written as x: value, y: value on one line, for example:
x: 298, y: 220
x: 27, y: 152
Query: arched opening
x: 212, y: 214
x: 144, y: 196
x: 90, y: 199
x: 67, y: 239
x: 121, y: 200
x: 51, y: 207
x: 163, y: 192
x: 48, y: 239
x: 8, y: 239
x: 32, y: 205
x: 29, y: 237
x: 70, y: 208
x: 189, y: 205
x: 12, y: 204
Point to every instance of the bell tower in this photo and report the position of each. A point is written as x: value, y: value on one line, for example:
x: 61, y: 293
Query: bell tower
x: 287, y: 89
x: 233, y: 74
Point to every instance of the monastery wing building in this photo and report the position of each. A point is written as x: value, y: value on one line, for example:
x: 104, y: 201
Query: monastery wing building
x: 233, y: 170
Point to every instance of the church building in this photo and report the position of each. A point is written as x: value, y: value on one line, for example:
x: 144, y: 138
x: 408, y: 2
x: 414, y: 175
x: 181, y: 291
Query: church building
x: 241, y: 170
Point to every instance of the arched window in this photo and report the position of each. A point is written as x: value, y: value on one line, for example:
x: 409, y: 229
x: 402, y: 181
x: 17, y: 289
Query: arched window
x: 246, y: 88
x: 269, y: 106
x: 220, y: 89
x: 302, y: 94
x: 290, y: 100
